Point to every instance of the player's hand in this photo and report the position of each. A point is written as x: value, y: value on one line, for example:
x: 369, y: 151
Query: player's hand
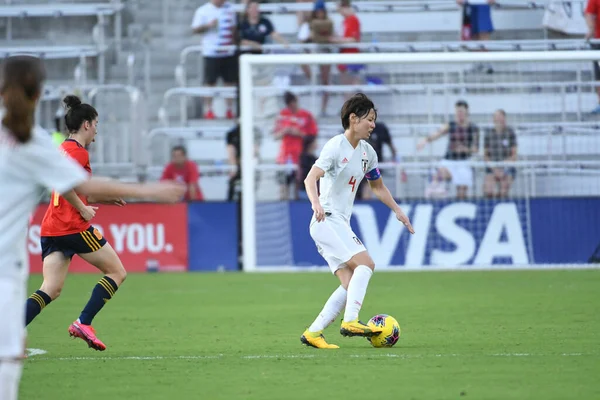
x: 165, y: 192
x: 421, y: 145
x: 119, y: 202
x: 404, y: 219
x: 214, y: 23
x: 88, y: 212
x: 460, y: 2
x: 589, y: 35
x: 319, y: 212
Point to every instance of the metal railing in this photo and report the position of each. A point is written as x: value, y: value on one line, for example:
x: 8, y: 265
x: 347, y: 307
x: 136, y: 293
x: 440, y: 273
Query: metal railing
x: 542, y: 142
x: 57, y: 10
x: 571, y: 94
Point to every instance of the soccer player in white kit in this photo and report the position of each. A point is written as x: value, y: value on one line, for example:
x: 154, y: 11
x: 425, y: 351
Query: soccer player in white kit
x: 30, y: 163
x: 342, y: 164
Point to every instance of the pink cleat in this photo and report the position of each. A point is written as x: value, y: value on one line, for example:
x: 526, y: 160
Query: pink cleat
x: 87, y: 333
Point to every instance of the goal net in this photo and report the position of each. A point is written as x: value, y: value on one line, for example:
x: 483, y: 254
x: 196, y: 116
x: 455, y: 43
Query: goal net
x: 512, y: 181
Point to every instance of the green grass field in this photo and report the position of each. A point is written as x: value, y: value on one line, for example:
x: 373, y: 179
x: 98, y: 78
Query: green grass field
x: 479, y: 335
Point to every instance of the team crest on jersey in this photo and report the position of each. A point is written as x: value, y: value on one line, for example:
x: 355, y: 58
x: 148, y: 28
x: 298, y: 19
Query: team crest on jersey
x: 365, y: 163
x: 97, y: 234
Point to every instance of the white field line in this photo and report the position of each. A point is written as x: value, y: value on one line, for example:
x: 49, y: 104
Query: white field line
x: 34, y: 356
x: 35, y: 352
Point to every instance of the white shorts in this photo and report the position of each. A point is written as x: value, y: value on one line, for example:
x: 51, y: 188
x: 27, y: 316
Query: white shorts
x: 461, y: 171
x: 12, y: 310
x: 335, y: 241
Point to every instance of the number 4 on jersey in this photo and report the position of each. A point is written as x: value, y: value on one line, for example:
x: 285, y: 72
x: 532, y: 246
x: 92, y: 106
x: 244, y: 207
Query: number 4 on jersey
x: 352, y: 182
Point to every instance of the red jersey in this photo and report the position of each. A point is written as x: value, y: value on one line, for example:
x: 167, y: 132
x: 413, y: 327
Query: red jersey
x: 61, y: 217
x: 593, y: 8
x: 291, y: 146
x: 188, y: 174
x: 351, y: 30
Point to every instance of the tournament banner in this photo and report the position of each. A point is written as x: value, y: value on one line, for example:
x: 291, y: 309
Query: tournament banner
x: 145, y: 236
x: 451, y: 234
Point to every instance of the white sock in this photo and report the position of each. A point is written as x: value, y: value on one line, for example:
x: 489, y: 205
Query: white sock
x: 10, y: 375
x: 357, y: 288
x: 330, y: 311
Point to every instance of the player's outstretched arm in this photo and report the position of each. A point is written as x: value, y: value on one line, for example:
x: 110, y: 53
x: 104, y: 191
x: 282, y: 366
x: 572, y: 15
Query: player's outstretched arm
x: 384, y: 195
x: 166, y: 192
x: 312, y: 191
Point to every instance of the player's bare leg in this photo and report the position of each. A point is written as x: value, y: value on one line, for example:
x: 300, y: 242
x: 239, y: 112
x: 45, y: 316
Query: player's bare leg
x: 362, y: 267
x: 55, y: 268
x: 107, y: 261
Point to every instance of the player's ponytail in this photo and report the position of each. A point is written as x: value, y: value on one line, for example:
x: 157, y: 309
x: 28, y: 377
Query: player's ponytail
x: 22, y: 78
x: 77, y: 113
x: 19, y: 112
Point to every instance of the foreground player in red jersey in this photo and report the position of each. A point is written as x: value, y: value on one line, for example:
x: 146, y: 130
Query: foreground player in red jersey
x: 66, y: 231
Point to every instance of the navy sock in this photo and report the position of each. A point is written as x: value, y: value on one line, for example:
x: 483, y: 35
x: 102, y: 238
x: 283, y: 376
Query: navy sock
x: 35, y: 304
x: 104, y: 290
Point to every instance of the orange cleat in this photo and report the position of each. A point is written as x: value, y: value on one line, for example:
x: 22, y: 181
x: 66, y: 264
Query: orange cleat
x: 88, y: 334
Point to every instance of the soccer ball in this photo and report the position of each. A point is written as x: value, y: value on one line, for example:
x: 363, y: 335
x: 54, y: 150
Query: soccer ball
x: 390, y: 334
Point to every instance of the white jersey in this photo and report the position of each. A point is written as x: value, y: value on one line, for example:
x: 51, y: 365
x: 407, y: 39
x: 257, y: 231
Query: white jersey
x: 345, y: 167
x: 222, y: 35
x: 25, y: 170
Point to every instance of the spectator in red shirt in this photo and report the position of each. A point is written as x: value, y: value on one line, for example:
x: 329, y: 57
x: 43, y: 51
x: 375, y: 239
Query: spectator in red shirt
x: 182, y: 170
x: 349, y: 74
x: 592, y: 12
x: 292, y: 125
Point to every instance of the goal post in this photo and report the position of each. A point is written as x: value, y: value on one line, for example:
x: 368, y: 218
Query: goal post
x: 258, y: 207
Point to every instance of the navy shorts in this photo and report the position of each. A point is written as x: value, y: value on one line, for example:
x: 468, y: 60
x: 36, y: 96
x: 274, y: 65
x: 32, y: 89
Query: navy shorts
x: 510, y: 171
x: 481, y: 19
x: 84, y: 242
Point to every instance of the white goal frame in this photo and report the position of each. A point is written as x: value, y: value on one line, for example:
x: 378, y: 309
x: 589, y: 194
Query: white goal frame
x: 248, y: 61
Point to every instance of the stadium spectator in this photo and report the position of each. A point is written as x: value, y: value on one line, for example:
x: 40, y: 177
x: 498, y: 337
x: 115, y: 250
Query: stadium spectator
x: 303, y: 35
x: 185, y: 171
x: 254, y: 29
x: 592, y: 13
x: 380, y: 136
x: 216, y: 21
x: 307, y: 160
x: 462, y: 143
x: 321, y: 32
x: 233, y: 159
x: 349, y: 74
x: 477, y: 25
x: 292, y: 125
x: 500, y: 144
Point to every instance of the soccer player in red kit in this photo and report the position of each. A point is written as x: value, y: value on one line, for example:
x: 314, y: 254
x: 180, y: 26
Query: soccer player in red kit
x: 182, y: 170
x: 66, y: 231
